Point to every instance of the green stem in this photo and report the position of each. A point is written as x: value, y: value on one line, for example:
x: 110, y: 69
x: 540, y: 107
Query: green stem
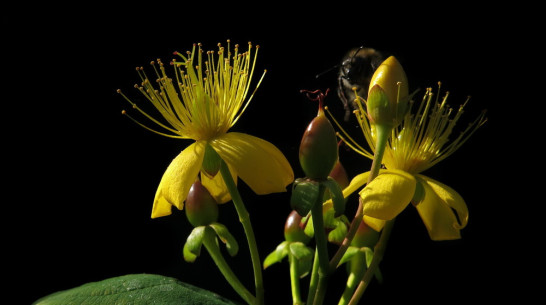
x: 244, y: 218
x: 211, y: 244
x: 357, y: 269
x: 321, y: 248
x: 313, y: 284
x: 379, y: 252
x: 294, y: 280
x: 383, y: 134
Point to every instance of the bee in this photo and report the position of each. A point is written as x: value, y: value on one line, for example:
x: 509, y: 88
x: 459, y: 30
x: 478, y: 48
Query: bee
x: 356, y: 71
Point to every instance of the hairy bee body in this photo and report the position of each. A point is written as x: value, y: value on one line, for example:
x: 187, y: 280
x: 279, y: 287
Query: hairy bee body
x: 355, y: 73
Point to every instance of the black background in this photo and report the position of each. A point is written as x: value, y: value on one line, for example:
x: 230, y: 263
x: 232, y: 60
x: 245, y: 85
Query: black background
x: 82, y: 177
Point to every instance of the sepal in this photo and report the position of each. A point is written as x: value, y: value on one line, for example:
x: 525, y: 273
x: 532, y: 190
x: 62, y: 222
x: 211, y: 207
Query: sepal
x: 336, y: 195
x: 222, y: 232
x: 304, y: 256
x: 277, y: 255
x: 304, y: 195
x: 192, y: 247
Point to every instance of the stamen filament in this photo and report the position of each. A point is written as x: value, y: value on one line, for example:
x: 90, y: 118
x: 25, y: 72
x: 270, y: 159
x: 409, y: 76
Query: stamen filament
x: 208, y: 97
x: 150, y: 129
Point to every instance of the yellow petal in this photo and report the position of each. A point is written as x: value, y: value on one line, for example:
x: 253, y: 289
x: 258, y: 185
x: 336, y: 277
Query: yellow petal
x: 216, y: 186
x: 177, y: 180
x: 437, y: 210
x: 356, y: 183
x: 260, y: 164
x: 375, y: 223
x: 388, y: 194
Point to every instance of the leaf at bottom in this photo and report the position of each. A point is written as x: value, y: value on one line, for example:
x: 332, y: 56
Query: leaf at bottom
x: 135, y: 289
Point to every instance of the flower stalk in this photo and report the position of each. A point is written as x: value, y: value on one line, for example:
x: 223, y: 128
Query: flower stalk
x: 294, y: 280
x: 321, y: 250
x: 383, y: 134
x: 244, y: 218
x: 209, y: 240
x: 379, y: 252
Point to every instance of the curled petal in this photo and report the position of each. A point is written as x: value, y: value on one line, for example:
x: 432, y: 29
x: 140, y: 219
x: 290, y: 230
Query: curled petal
x: 260, y: 164
x: 388, y: 194
x: 177, y: 180
x: 375, y: 223
x: 438, y: 208
x: 217, y: 187
x: 356, y: 183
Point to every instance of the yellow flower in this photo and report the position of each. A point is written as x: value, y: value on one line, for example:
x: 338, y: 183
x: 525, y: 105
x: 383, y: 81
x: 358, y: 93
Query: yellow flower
x: 421, y: 141
x: 202, y: 103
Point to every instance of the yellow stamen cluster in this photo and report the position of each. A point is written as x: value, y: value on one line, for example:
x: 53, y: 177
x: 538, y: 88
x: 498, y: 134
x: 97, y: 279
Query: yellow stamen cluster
x: 422, y: 139
x: 200, y: 103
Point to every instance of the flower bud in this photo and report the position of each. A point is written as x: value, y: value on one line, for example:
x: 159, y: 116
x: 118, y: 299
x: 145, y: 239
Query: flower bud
x: 318, y: 148
x: 201, y: 208
x: 340, y: 175
x: 211, y: 162
x: 388, y: 93
x: 293, y: 230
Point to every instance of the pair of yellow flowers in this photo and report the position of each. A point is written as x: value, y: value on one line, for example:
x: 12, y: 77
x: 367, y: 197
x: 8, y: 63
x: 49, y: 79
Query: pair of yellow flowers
x: 204, y: 101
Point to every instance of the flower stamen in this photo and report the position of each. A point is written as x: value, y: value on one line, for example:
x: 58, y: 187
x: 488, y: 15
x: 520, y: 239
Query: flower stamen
x: 422, y: 138
x: 206, y: 97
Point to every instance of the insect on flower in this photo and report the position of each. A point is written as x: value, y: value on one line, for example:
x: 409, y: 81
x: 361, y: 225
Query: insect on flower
x: 355, y: 73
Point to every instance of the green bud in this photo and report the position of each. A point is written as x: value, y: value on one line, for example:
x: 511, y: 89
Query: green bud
x: 318, y: 148
x: 211, y: 162
x: 293, y: 229
x: 201, y: 208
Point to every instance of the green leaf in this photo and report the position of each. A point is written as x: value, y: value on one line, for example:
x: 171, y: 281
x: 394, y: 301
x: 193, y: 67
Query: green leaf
x: 300, y: 251
x: 351, y: 251
x: 336, y: 194
x: 304, y: 256
x: 188, y: 256
x: 329, y: 219
x: 135, y: 289
x: 369, y: 257
x: 304, y: 196
x: 192, y: 247
x: 337, y: 235
x: 276, y: 256
x: 226, y: 237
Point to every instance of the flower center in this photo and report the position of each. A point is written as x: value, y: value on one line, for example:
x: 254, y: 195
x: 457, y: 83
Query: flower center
x: 205, y: 98
x: 422, y: 139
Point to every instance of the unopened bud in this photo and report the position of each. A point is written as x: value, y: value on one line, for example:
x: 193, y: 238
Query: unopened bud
x: 388, y: 93
x: 293, y: 229
x: 211, y: 162
x: 201, y: 208
x: 318, y: 149
x: 340, y: 175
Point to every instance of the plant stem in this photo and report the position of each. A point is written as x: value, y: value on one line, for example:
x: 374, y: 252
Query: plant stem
x: 383, y: 134
x: 244, y: 218
x: 314, y: 280
x: 321, y: 249
x: 357, y: 267
x: 294, y: 280
x: 211, y: 244
x: 379, y: 252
